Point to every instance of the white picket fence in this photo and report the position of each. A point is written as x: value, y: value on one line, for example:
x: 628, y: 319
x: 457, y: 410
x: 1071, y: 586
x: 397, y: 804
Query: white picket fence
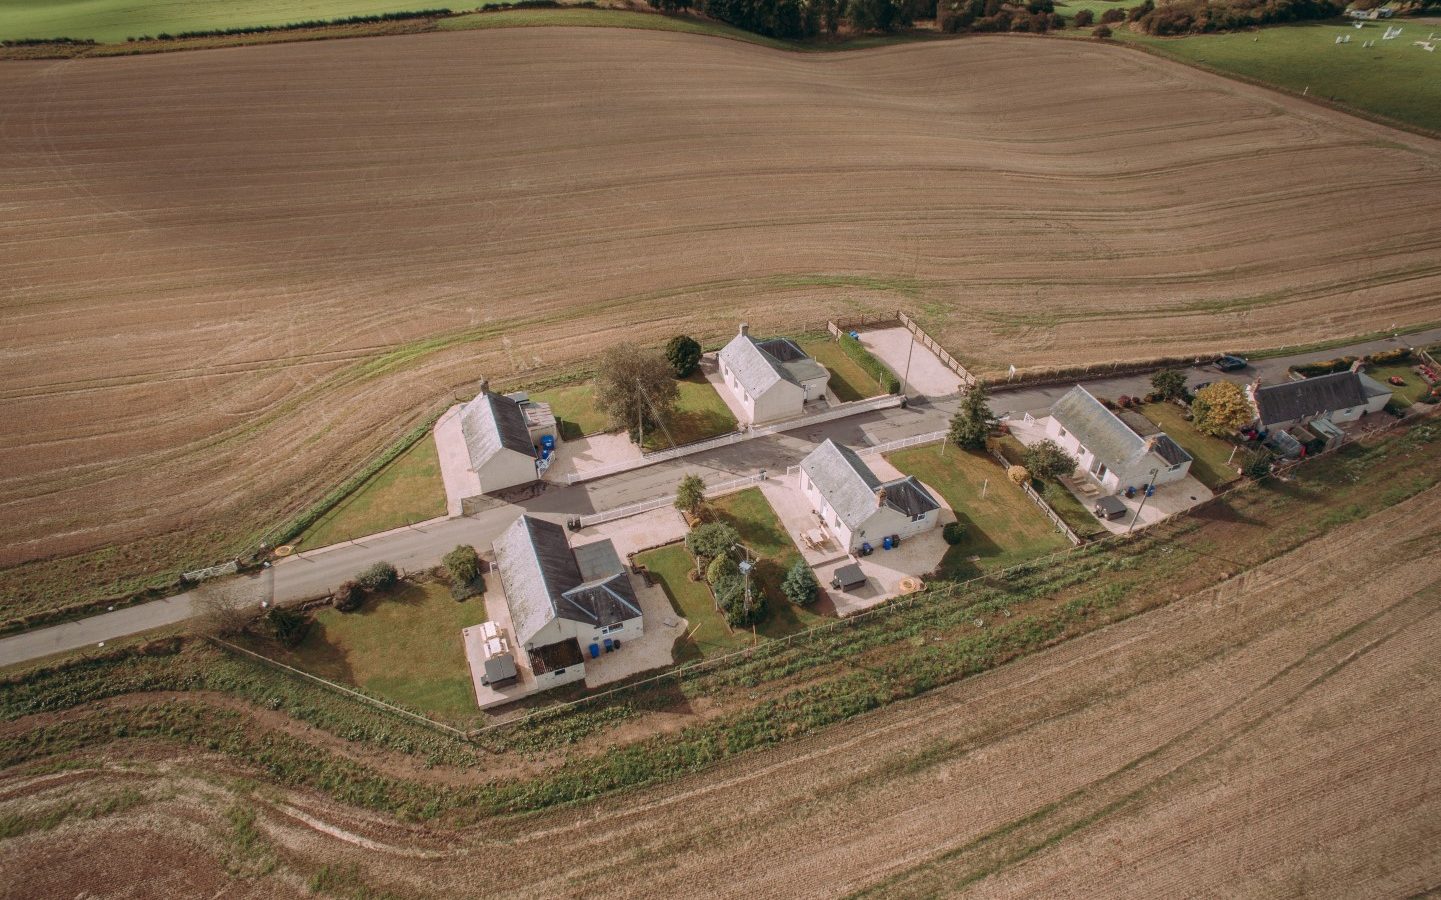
x: 635, y: 509
x: 735, y: 437
x: 918, y: 440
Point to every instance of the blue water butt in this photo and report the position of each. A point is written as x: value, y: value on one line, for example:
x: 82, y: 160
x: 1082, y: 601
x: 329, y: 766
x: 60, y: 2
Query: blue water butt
x: 594, y: 650
x: 608, y: 645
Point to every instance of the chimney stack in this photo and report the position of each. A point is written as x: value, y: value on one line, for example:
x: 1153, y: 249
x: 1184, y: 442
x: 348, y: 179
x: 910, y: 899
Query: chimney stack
x: 745, y: 329
x: 880, y: 497
x: 485, y: 385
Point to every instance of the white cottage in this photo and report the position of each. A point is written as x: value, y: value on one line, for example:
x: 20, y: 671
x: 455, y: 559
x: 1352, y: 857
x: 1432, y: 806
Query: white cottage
x: 498, y: 441
x: 1339, y: 397
x: 856, y: 506
x: 771, y: 379
x: 1109, y: 450
x: 565, y: 605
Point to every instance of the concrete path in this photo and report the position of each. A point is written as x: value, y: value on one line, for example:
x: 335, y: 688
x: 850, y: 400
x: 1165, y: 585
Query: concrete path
x: 455, y: 471
x: 318, y: 572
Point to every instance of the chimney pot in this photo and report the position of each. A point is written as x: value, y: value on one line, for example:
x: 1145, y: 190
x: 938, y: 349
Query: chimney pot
x: 745, y: 328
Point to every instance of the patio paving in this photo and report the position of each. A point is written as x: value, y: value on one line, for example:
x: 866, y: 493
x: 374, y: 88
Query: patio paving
x: 928, y: 376
x: 653, y: 650
x: 1168, y: 499
x: 588, y: 453
x: 917, y: 556
x: 455, y: 472
x: 497, y: 611
x: 636, y: 533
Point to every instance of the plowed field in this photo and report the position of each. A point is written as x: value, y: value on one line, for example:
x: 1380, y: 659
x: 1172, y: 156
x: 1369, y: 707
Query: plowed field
x: 1276, y: 735
x: 230, y: 276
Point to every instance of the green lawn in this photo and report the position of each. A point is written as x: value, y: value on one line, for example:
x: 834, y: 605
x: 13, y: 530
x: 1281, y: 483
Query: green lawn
x: 700, y: 414
x: 405, y: 647
x: 112, y: 21
x: 408, y: 490
x: 1065, y: 504
x: 691, y: 599
x: 1394, y: 78
x: 762, y: 533
x: 1002, y: 528
x: 575, y: 410
x: 1411, y: 392
x: 1209, y: 455
x: 848, y: 380
x: 1097, y: 7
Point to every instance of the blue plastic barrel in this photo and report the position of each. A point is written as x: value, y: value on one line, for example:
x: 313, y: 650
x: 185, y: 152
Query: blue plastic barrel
x: 608, y: 645
x: 547, y: 442
x: 594, y: 650
x: 885, y: 543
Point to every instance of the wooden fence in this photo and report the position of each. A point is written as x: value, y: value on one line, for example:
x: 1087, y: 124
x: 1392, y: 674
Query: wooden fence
x: 1061, y: 526
x: 940, y: 352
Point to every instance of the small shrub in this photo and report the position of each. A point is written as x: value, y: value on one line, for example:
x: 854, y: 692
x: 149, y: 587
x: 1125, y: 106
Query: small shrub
x: 1084, y: 18
x: 1046, y: 460
x: 955, y: 532
x: 1102, y: 32
x: 1257, y: 465
x: 463, y: 566
x: 289, y: 625
x: 348, y: 596
x: 380, y: 577
x: 1018, y: 474
x: 721, y: 567
x: 800, y: 585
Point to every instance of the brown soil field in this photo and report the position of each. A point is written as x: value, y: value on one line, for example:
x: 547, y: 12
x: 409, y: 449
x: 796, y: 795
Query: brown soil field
x: 231, y: 276
x: 1277, y: 734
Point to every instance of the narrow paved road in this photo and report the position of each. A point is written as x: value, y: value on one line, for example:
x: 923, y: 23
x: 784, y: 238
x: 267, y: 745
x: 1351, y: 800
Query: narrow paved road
x: 319, y: 572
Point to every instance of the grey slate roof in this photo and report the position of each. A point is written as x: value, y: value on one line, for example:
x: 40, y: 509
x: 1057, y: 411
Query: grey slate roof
x: 543, y: 580
x: 759, y: 365
x: 850, y: 487
x: 1310, y: 397
x: 491, y: 423
x: 1107, y: 437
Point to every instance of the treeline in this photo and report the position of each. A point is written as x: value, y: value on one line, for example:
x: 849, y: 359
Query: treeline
x: 1038, y: 16
x: 296, y: 26
x: 35, y: 42
x: 797, y: 19
x: 1203, y: 16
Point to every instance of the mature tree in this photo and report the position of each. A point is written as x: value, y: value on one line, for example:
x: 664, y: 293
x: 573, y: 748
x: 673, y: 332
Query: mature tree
x: 1102, y: 32
x: 224, y: 606
x: 872, y: 15
x: 683, y: 354
x: 954, y: 533
x: 690, y: 495
x: 1046, y: 460
x: 289, y: 625
x: 800, y: 585
x: 1084, y: 18
x: 710, y: 540
x: 348, y: 596
x: 1169, y: 383
x: 463, y: 566
x: 1221, y: 408
x: 636, y: 388
x: 830, y: 12
x: 973, y: 420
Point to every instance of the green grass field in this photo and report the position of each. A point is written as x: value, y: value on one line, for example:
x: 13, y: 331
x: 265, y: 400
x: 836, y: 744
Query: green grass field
x: 110, y: 21
x: 1002, y: 529
x: 405, y: 647
x: 1411, y: 392
x: 575, y: 410
x: 1210, y: 456
x: 700, y: 413
x: 1097, y: 7
x: 408, y: 490
x: 1395, y: 78
x: 848, y: 380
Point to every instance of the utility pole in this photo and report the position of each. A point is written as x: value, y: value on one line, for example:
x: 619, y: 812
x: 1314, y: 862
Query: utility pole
x: 1151, y: 486
x: 906, y: 378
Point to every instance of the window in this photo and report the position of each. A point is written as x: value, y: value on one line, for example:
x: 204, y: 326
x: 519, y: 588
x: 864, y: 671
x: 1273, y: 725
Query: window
x: 612, y: 628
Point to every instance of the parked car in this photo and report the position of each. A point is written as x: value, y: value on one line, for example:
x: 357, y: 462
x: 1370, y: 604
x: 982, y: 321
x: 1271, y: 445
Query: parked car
x: 1231, y: 363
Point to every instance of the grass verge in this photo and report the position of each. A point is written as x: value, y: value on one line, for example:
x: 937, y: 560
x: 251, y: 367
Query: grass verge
x: 700, y: 413
x: 407, y: 490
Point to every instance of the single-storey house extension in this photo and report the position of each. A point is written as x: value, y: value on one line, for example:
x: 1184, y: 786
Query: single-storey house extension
x: 855, y: 506
x: 1338, y: 397
x: 1111, y: 451
x: 564, y: 604
x: 499, y: 442
x: 771, y: 379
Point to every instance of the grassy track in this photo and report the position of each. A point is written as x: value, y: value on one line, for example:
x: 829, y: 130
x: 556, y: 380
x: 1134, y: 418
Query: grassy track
x: 1002, y: 529
x: 1394, y: 79
x: 408, y: 490
x: 110, y: 21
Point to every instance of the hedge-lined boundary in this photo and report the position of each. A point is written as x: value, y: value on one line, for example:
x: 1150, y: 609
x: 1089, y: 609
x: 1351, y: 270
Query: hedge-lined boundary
x: 873, y: 367
x: 239, y: 30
